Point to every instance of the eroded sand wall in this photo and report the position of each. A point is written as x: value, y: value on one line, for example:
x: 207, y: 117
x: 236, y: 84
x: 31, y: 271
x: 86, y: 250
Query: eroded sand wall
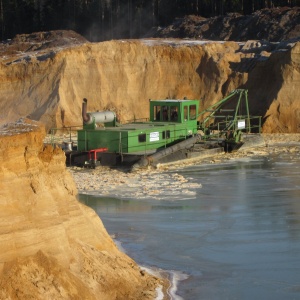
x: 52, y: 246
x: 123, y: 76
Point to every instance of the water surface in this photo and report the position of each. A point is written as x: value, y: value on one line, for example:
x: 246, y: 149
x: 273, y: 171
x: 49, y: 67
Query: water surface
x: 238, y: 237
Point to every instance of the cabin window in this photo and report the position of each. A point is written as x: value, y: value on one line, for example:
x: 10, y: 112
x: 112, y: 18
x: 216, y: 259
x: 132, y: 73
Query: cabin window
x: 157, y: 110
x: 174, y: 113
x: 192, y: 112
x: 166, y: 134
x: 165, y: 113
x: 185, y: 113
x: 142, y: 138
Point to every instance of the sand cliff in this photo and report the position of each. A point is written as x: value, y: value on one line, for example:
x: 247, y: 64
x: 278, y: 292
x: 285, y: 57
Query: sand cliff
x: 52, y: 246
x: 48, y: 84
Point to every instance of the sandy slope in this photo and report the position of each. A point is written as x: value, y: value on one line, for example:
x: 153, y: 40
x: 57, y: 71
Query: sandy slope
x: 52, y: 246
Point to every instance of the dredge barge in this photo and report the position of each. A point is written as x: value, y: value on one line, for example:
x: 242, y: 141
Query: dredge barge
x: 175, y: 130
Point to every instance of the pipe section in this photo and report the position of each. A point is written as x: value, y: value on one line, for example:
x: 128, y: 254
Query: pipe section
x: 101, y: 117
x: 154, y: 158
x: 98, y: 117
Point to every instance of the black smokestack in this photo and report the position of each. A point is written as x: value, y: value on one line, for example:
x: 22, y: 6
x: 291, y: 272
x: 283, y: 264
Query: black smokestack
x: 85, y: 116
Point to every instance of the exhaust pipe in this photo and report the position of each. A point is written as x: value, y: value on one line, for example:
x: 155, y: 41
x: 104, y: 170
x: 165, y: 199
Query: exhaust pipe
x: 85, y: 116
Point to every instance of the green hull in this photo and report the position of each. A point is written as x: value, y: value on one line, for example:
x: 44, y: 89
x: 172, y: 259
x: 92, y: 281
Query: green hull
x: 135, y: 137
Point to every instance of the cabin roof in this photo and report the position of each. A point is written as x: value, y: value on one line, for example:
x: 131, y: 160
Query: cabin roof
x: 172, y: 100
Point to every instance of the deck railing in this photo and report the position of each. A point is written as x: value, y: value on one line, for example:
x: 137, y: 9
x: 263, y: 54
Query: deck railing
x: 63, y: 136
x: 241, y: 123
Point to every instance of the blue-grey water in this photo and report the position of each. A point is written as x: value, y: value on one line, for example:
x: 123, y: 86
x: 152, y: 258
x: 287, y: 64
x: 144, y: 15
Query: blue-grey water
x: 237, y: 238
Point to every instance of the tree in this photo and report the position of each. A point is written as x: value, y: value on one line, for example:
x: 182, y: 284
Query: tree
x: 107, y: 19
x: 2, y: 20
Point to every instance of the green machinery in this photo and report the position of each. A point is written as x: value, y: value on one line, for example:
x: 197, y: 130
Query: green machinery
x: 173, y: 126
x: 229, y: 118
x: 170, y: 121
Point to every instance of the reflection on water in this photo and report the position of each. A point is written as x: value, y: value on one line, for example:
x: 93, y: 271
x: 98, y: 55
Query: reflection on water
x: 239, y: 238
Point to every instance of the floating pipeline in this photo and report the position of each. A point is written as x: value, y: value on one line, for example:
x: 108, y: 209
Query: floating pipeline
x: 155, y: 158
x: 189, y: 150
